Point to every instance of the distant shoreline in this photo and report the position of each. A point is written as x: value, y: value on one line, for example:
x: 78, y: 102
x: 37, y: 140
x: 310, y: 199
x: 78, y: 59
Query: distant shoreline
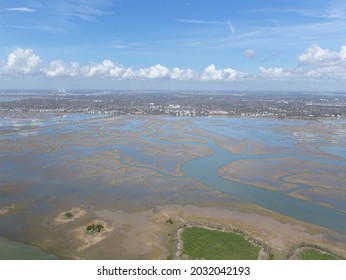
x: 300, y: 105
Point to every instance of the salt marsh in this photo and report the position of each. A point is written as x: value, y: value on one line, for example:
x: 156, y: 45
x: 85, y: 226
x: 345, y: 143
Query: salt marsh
x: 132, y: 172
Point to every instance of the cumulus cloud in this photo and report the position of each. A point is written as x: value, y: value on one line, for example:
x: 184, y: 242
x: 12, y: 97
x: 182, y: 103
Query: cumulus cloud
x: 228, y: 74
x: 317, y: 56
x: 183, y: 74
x: 25, y: 62
x: 249, y: 53
x: 154, y: 72
x: 103, y: 69
x: 274, y: 73
x: 314, y: 63
x: 22, y: 61
x: 58, y: 68
x: 325, y: 63
x: 109, y: 69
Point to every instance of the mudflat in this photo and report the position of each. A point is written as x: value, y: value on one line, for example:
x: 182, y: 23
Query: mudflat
x: 133, y: 173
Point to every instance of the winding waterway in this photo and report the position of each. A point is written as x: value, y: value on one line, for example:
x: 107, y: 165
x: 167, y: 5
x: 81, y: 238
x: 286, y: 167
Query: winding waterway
x: 205, y: 170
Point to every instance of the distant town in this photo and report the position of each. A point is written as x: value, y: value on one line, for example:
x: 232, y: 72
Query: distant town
x: 179, y: 103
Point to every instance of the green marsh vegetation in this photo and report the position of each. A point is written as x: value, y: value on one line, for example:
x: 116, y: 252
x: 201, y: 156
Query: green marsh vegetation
x: 308, y: 251
x: 315, y: 254
x: 202, y: 243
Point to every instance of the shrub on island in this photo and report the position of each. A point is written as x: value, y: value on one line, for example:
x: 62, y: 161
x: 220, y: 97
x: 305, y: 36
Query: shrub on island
x: 68, y: 215
x: 95, y: 228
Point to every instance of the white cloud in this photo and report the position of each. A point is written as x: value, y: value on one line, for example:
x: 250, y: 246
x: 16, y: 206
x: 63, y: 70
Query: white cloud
x: 325, y: 63
x: 154, y: 72
x: 25, y: 62
x: 197, y: 21
x: 99, y: 70
x: 183, y: 74
x: 316, y: 56
x: 315, y: 63
x: 128, y: 74
x: 249, y: 53
x: 20, y: 9
x: 22, y: 61
x: 275, y: 73
x: 58, y: 68
x: 228, y: 74
x: 333, y: 72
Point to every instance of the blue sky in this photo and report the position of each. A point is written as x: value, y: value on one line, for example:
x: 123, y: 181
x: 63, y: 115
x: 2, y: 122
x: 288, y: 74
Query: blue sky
x: 168, y: 44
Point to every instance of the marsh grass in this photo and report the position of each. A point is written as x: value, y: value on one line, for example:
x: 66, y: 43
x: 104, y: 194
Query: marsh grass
x: 202, y: 243
x: 314, y: 254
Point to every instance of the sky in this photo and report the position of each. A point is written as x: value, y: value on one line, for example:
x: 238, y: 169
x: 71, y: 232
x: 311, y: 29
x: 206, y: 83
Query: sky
x: 173, y: 44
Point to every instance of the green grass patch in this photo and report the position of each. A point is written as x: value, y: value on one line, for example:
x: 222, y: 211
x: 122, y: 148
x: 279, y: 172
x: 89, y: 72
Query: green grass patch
x: 201, y: 243
x: 314, y: 254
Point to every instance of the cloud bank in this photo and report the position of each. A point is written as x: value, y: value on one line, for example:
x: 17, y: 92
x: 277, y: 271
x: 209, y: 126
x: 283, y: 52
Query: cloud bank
x: 314, y: 63
x: 24, y: 62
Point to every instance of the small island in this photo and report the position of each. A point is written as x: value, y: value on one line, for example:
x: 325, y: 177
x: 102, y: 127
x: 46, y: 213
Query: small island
x: 70, y: 215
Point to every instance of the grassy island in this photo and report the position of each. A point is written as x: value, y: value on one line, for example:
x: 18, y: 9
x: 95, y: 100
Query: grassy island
x: 202, y: 243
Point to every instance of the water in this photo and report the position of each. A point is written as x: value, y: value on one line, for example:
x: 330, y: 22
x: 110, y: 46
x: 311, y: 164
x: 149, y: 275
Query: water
x: 339, y: 151
x: 203, y: 169
x: 11, y: 250
x: 9, y: 99
x: 259, y: 130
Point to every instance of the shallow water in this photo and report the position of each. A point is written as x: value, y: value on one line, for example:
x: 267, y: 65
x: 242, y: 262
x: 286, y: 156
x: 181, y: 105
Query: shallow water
x: 43, y: 167
x: 204, y: 169
x: 339, y: 151
x: 11, y: 250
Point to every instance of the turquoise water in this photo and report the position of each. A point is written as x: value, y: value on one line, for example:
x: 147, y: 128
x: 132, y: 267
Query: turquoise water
x: 11, y: 250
